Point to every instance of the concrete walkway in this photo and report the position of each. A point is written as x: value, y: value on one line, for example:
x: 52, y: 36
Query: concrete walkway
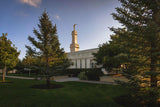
x: 19, y: 77
x: 68, y: 79
x: 64, y: 80
x: 97, y: 82
x: 86, y: 81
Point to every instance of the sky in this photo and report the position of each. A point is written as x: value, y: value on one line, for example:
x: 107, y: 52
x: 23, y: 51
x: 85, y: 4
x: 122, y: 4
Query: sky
x: 93, y: 19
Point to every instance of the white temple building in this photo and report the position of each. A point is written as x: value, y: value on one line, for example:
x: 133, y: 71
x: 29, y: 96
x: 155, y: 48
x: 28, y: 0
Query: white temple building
x: 82, y: 58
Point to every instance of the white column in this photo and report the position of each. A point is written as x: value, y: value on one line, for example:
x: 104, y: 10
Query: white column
x: 78, y: 63
x: 88, y: 63
x: 83, y: 63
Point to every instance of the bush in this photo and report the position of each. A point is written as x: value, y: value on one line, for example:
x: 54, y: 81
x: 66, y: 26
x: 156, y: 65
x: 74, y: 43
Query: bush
x: 75, y: 72
x: 93, y: 75
x: 82, y: 76
x: 72, y: 72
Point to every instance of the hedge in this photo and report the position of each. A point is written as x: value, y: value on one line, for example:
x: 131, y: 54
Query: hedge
x: 75, y: 72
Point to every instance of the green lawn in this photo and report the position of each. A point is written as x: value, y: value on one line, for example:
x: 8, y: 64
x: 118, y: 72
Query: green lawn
x: 73, y: 94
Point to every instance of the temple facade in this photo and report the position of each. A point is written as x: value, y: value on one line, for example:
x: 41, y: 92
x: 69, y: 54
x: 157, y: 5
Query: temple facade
x: 82, y: 58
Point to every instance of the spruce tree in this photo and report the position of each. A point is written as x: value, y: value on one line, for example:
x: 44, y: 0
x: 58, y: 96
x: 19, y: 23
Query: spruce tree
x: 141, y: 19
x: 47, y: 47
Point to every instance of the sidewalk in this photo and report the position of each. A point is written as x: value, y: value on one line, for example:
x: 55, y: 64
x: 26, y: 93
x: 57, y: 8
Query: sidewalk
x: 85, y: 81
x: 68, y: 79
x: 64, y: 80
x: 19, y: 77
x: 97, y: 82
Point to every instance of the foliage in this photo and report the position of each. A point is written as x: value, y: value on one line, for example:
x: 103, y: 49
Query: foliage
x: 19, y: 67
x: 75, y: 72
x: 91, y: 74
x: 82, y: 76
x: 110, y: 54
x: 50, y: 57
x: 8, y: 54
x: 31, y: 63
x: 140, y: 42
x: 94, y: 75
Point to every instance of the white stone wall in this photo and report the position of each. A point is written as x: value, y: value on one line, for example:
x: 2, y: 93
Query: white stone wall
x: 84, y: 58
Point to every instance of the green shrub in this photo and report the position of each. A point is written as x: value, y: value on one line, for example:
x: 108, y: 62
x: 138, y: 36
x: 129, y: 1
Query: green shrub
x: 82, y: 76
x: 94, y: 75
x: 75, y: 72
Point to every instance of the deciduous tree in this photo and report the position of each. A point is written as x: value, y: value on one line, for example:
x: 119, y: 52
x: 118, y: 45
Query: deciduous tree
x: 8, y: 54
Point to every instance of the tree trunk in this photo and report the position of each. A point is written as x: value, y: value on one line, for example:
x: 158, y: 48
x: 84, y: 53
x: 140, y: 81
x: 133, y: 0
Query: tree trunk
x: 29, y: 73
x: 153, y: 77
x: 153, y: 50
x: 47, y: 72
x: 48, y: 82
x: 153, y: 81
x: 4, y: 73
x: 153, y: 66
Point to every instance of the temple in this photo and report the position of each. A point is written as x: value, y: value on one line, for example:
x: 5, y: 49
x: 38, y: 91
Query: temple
x: 82, y: 58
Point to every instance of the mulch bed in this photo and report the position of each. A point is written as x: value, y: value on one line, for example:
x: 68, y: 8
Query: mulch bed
x: 44, y: 86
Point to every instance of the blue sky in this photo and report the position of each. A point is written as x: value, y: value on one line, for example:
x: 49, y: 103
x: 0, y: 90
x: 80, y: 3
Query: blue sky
x: 19, y: 17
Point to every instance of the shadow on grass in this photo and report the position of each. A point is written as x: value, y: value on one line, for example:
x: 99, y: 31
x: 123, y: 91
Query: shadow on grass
x: 129, y: 101
x: 44, y: 86
x: 7, y: 82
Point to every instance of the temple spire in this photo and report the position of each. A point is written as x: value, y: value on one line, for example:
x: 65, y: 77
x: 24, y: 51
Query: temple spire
x: 74, y: 45
x: 74, y: 26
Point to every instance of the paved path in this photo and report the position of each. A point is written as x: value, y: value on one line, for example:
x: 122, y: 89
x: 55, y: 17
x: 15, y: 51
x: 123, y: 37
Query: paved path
x: 19, y: 77
x: 97, y: 82
x: 65, y: 80
x: 77, y: 79
x: 68, y: 79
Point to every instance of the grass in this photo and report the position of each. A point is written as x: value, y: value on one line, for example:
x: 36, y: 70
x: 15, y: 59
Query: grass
x: 73, y: 94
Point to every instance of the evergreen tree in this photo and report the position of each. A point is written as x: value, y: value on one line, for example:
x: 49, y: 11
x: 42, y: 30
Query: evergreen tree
x: 8, y: 54
x: 110, y: 54
x: 47, y: 46
x: 141, y: 18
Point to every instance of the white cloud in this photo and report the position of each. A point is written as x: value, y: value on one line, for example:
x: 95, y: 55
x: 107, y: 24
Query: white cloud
x: 34, y: 3
x: 57, y: 17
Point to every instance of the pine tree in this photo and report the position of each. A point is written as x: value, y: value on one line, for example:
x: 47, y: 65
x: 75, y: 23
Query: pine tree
x: 47, y: 47
x: 8, y: 54
x: 141, y: 18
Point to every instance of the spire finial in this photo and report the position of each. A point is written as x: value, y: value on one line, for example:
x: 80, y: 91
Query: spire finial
x: 74, y: 26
